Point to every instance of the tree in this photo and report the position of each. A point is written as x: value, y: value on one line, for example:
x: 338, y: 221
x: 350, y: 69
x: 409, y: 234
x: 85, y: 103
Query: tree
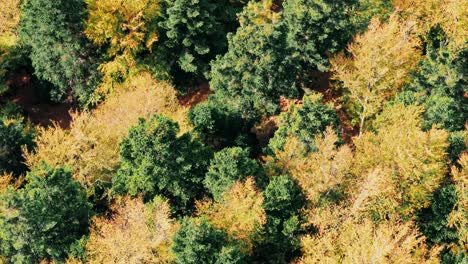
x: 365, y: 10
x: 399, y: 167
x: 258, y: 68
x: 198, y: 242
x: 10, y: 17
x: 90, y: 146
x: 305, y: 123
x: 45, y: 217
x: 218, y: 123
x: 239, y: 212
x: 439, y: 86
x: 392, y: 242
x: 59, y: 51
x: 14, y: 135
x: 228, y: 166
x: 136, y: 233
x: 316, y: 29
x: 193, y: 33
x: 156, y: 161
x: 283, y: 202
x: 321, y: 174
x: 379, y: 63
x: 458, y: 219
x: 125, y: 28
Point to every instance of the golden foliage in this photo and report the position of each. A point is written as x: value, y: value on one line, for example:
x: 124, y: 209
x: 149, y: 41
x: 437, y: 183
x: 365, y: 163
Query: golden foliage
x: 458, y: 218
x: 9, y: 16
x: 451, y: 15
x: 136, y: 233
x: 366, y: 242
x: 240, y: 212
x: 380, y: 62
x: 91, y: 146
x: 317, y: 172
x: 400, y: 166
x: 127, y: 27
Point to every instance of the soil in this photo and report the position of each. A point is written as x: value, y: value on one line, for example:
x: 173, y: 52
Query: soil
x: 35, y: 109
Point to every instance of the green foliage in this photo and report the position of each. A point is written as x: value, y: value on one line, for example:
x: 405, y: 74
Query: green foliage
x: 220, y: 124
x: 457, y: 145
x: 440, y: 86
x: 283, y: 202
x: 316, y: 29
x: 193, y: 32
x: 433, y: 221
x: 305, y: 123
x: 365, y: 10
x: 228, y: 166
x: 45, y: 217
x: 58, y: 51
x: 14, y: 135
x: 156, y: 161
x: 198, y: 242
x: 257, y: 68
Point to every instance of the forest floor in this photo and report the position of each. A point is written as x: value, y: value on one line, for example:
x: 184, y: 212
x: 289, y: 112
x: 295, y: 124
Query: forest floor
x: 34, y: 107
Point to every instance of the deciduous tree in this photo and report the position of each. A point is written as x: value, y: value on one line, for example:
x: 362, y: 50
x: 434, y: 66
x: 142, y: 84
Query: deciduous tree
x: 136, y: 233
x: 239, y: 212
x: 379, y: 63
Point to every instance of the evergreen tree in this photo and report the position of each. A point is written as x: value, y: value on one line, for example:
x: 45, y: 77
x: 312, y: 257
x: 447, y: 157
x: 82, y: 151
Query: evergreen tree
x: 283, y: 201
x: 440, y: 86
x: 305, y: 123
x: 44, y: 218
x: 258, y: 68
x: 228, y: 166
x: 156, y: 161
x: 193, y: 32
x: 316, y: 29
x: 198, y: 242
x: 14, y: 135
x: 58, y: 50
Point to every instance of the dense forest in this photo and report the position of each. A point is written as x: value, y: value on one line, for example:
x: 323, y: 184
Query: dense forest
x: 233, y: 131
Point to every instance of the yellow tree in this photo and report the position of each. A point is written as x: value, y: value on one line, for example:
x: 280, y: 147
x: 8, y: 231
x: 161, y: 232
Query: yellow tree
x: 9, y: 17
x: 363, y: 241
x: 398, y: 168
x: 451, y: 15
x: 136, y: 233
x: 240, y: 212
x: 90, y: 147
x: 379, y: 63
x: 458, y: 218
x: 126, y: 27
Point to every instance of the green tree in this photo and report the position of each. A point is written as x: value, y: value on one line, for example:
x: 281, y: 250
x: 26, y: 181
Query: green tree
x: 198, y: 242
x: 43, y: 219
x: 283, y: 202
x: 14, y: 135
x: 257, y: 68
x: 220, y: 124
x: 156, y: 161
x: 58, y: 50
x: 228, y: 166
x: 440, y: 86
x: 305, y: 123
x: 193, y: 32
x: 316, y: 29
